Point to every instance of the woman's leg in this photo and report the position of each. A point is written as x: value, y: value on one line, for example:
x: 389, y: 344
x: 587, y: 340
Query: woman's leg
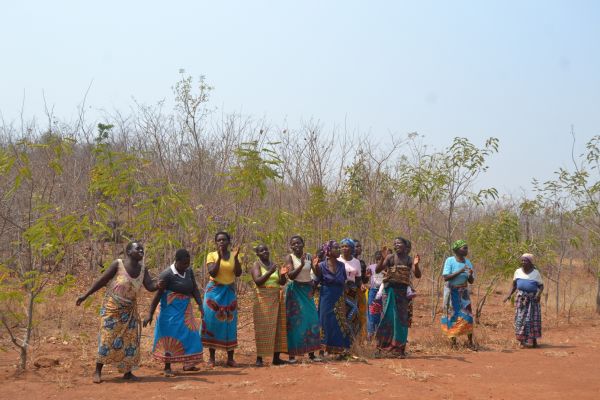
x: 168, y: 371
x: 211, y: 357
x: 98, y: 373
x: 230, y: 361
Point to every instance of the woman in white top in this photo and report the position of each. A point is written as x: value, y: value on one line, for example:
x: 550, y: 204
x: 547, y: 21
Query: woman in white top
x: 303, y: 332
x: 354, y: 285
x: 528, y: 283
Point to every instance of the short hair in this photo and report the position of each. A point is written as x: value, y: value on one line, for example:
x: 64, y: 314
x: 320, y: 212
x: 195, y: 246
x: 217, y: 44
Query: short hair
x: 224, y: 234
x: 182, y: 254
x: 297, y: 237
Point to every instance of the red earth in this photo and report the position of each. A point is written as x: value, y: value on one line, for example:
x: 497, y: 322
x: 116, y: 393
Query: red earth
x: 565, y: 364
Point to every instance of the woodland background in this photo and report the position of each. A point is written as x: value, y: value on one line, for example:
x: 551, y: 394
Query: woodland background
x: 72, y: 193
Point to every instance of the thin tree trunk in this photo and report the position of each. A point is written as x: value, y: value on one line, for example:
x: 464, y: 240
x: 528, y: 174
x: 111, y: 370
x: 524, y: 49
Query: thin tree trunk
x: 27, y: 338
x: 598, y: 295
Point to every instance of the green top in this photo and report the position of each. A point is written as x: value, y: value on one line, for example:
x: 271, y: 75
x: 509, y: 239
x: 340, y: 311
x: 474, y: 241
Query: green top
x: 273, y: 281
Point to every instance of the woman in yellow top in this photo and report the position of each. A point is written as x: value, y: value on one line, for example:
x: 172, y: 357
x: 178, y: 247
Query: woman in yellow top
x: 269, y: 308
x: 219, y: 330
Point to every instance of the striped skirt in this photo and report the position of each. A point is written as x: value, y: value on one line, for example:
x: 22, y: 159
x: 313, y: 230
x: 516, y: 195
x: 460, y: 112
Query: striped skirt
x: 528, y: 317
x: 269, y: 322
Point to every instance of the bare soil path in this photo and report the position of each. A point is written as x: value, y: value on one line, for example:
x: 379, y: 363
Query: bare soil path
x: 566, y: 365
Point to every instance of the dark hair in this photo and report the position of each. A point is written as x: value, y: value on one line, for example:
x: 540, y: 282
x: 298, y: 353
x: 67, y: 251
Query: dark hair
x: 259, y: 246
x: 181, y: 254
x: 378, y: 254
x: 224, y: 234
x: 297, y: 237
x: 404, y: 241
x: 356, y: 241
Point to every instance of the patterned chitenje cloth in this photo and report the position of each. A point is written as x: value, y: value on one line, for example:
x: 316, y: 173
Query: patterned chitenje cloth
x: 303, y: 332
x: 120, y: 324
x: 373, y: 311
x: 351, y: 292
x: 335, y: 332
x: 392, y: 332
x: 362, y: 312
x: 269, y: 322
x: 177, y: 330
x: 528, y: 317
x: 219, y: 328
x: 458, y: 317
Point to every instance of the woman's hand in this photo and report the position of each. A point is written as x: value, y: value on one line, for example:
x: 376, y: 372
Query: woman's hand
x: 236, y: 251
x: 80, y: 300
x: 315, y: 261
x: 284, y: 270
x: 416, y: 260
x: 147, y: 321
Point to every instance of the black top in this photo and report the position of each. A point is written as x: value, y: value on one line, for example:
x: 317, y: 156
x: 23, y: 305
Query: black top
x: 177, y: 284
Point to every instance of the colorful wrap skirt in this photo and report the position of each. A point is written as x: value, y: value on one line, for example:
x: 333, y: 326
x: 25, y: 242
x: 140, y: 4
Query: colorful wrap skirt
x: 458, y: 317
x: 352, y: 293
x: 303, y: 333
x: 528, y: 317
x: 335, y: 331
x: 177, y: 330
x: 219, y: 328
x: 373, y: 311
x: 120, y: 333
x: 392, y: 332
x: 269, y: 321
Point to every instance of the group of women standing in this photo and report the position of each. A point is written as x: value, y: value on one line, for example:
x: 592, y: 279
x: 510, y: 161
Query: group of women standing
x: 309, y: 305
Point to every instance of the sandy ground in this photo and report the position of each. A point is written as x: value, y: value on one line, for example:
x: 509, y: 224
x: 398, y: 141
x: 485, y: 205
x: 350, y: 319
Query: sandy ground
x: 566, y: 365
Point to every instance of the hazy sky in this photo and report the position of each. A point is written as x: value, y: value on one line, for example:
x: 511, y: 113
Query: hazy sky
x: 522, y: 71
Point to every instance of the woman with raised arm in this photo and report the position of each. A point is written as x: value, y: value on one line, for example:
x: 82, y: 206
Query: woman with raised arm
x: 120, y: 324
x: 528, y: 283
x: 458, y: 273
x: 336, y: 334
x: 219, y: 330
x: 177, y: 330
x: 303, y: 332
x: 398, y: 269
x: 269, y: 308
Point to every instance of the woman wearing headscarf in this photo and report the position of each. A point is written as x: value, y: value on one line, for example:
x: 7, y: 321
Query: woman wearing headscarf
x: 458, y: 274
x: 528, y: 283
x: 398, y: 269
x: 331, y: 275
x: 354, y: 286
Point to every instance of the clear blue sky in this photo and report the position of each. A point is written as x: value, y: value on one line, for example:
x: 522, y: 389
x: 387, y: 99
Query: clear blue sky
x: 522, y: 71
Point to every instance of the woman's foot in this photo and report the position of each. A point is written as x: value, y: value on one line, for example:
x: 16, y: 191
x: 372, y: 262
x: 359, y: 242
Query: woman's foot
x: 169, y: 373
x: 279, y: 361
x: 130, y: 377
x: 232, y: 364
x: 97, y: 377
x: 259, y: 362
x: 314, y: 358
x: 211, y: 363
x: 535, y: 344
x: 191, y: 368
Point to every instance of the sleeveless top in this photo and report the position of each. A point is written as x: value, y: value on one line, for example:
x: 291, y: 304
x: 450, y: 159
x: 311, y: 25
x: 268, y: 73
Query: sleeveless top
x: 123, y: 287
x: 305, y: 274
x: 398, y: 273
x: 273, y: 281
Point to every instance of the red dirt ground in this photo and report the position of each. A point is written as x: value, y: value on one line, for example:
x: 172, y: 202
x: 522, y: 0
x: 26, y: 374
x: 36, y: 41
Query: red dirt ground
x: 566, y: 365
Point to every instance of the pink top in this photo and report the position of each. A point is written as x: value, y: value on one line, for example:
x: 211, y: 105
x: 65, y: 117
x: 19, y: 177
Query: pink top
x: 352, y: 268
